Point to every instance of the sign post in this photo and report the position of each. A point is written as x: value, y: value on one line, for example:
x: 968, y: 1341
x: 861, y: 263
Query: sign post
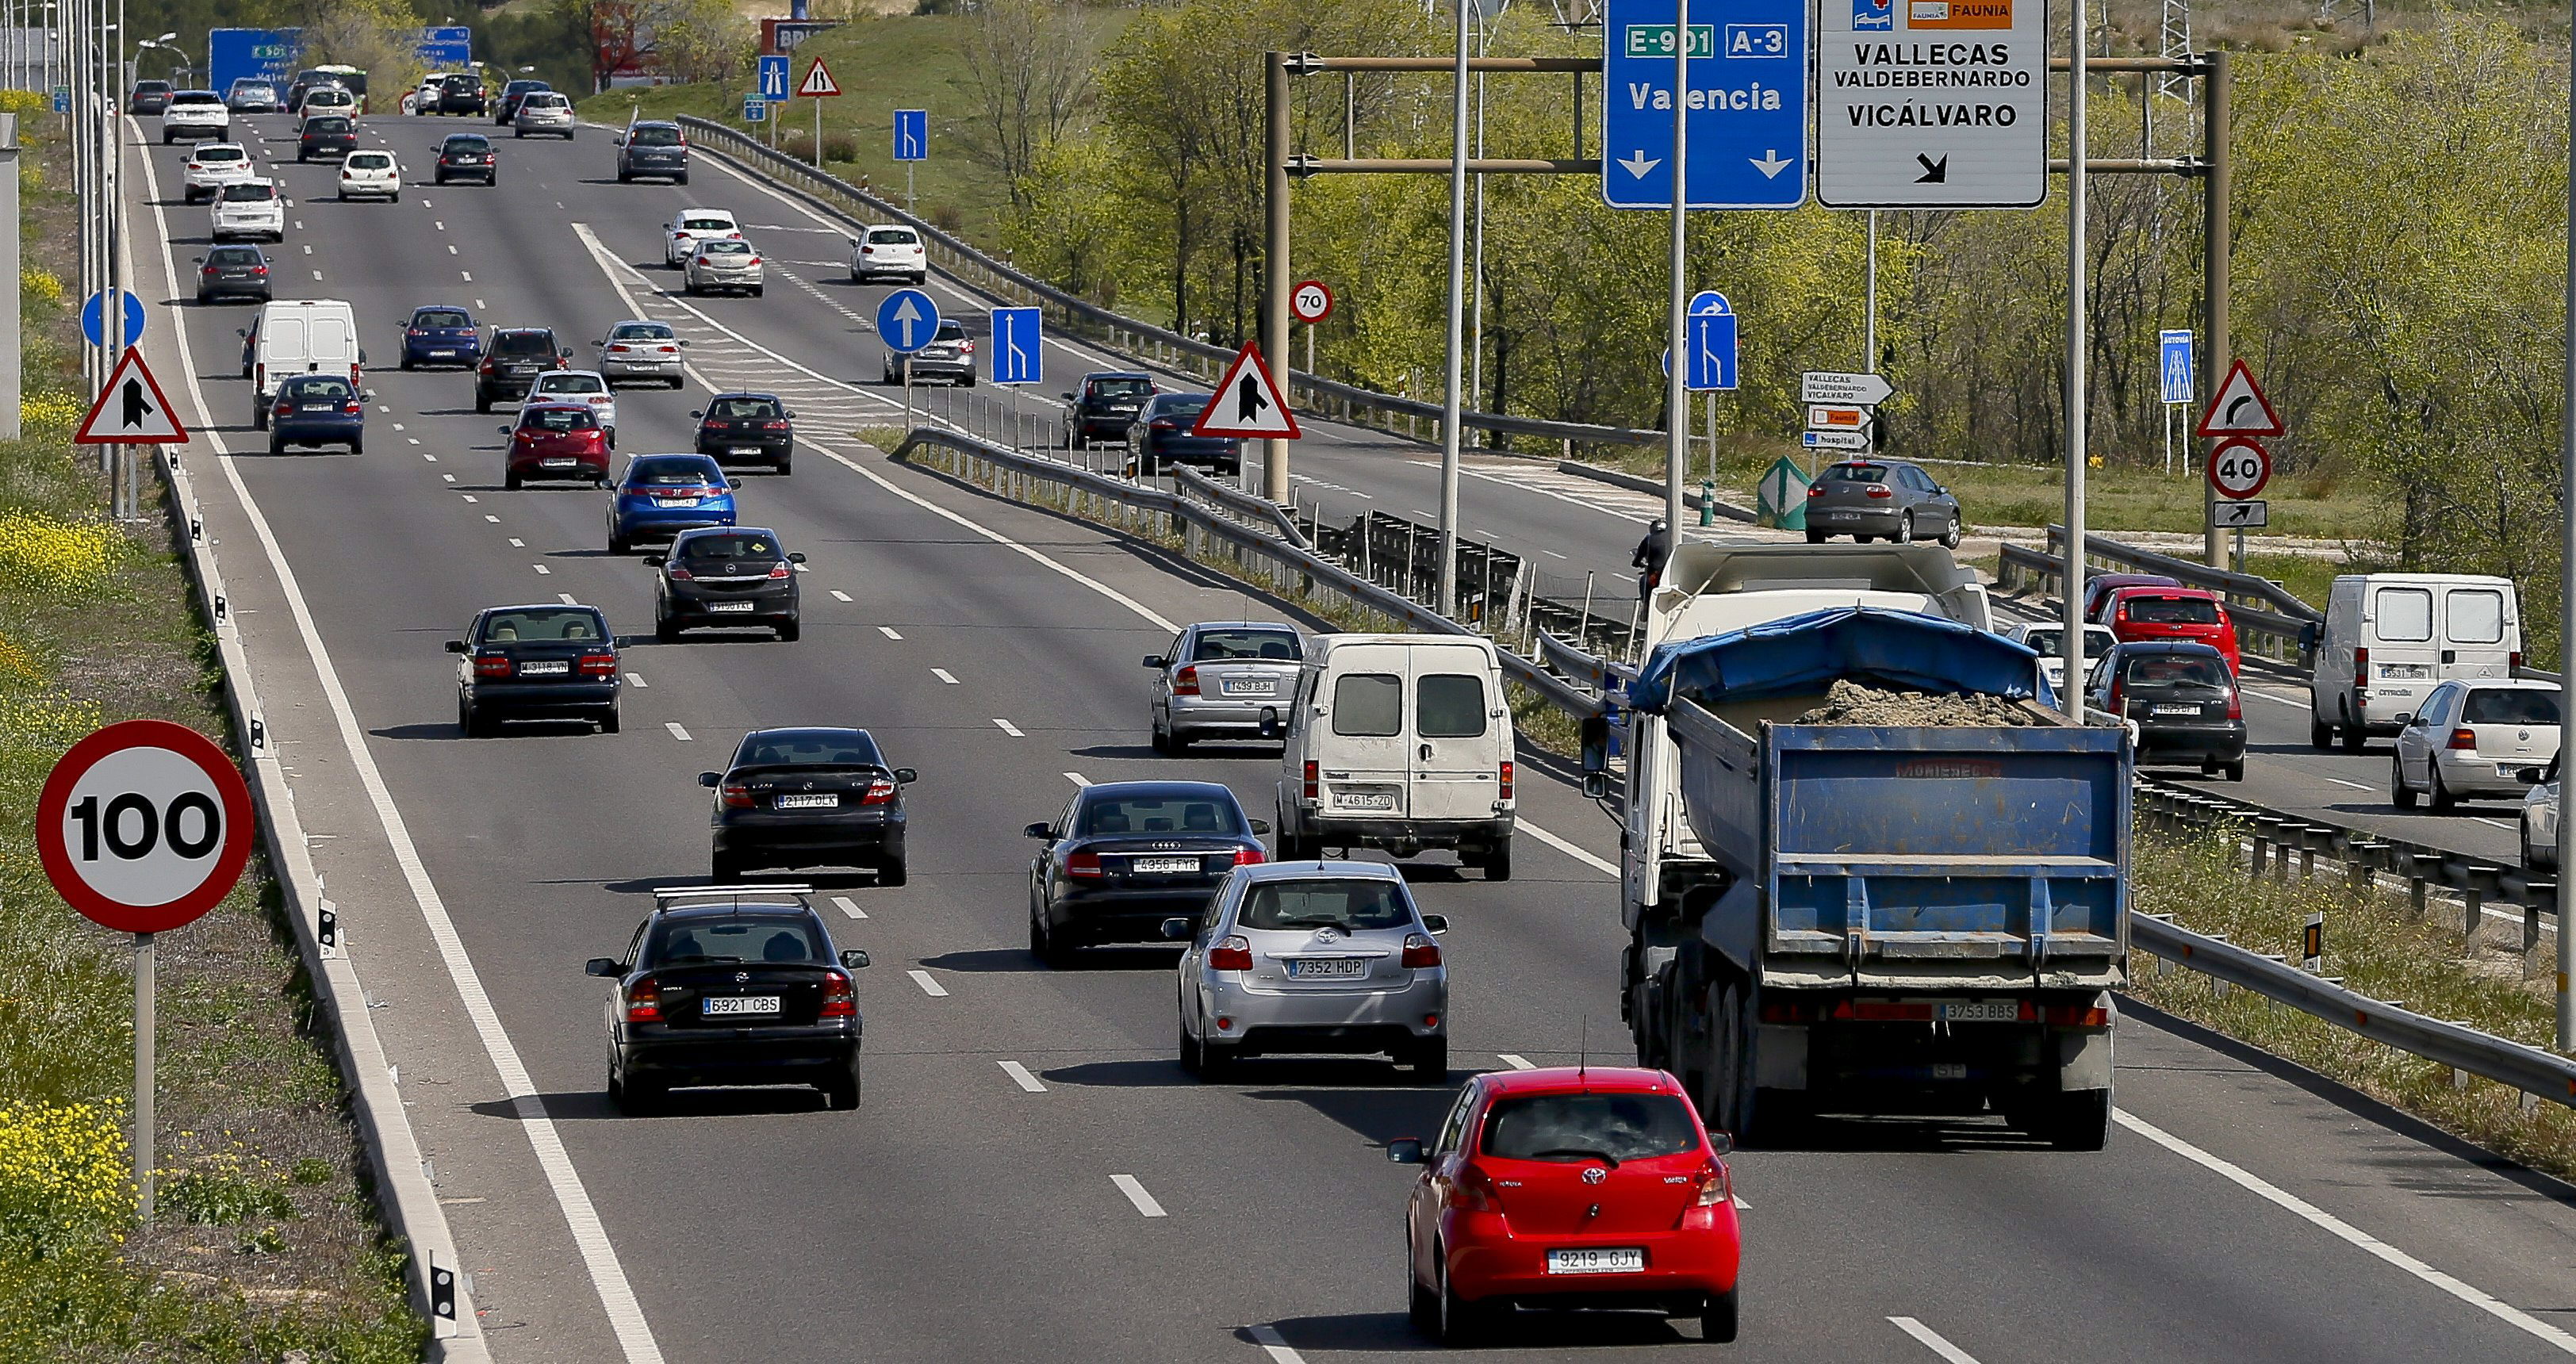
x: 142, y: 827
x: 1310, y: 302
x: 911, y: 144
x: 2173, y: 368
x: 818, y: 86
x: 2239, y: 466
x: 906, y: 320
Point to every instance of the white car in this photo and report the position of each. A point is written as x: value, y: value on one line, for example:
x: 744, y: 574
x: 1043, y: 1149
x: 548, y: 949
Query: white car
x: 2473, y: 739
x: 681, y: 235
x: 2540, y: 822
x: 728, y: 264
x: 543, y: 111
x: 579, y: 386
x: 889, y: 252
x: 252, y: 208
x: 195, y: 114
x: 2048, y: 640
x: 424, y: 100
x: 329, y: 99
x: 213, y: 165
x: 368, y: 175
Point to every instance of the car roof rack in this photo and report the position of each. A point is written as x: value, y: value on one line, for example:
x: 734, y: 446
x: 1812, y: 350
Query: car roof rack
x: 667, y: 896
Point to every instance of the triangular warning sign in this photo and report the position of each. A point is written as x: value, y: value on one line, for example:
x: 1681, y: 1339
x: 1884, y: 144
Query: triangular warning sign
x: 131, y: 409
x: 1248, y: 403
x: 818, y: 80
x: 2239, y: 408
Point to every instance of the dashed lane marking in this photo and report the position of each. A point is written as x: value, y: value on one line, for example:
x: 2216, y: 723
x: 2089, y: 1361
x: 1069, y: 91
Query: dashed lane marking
x: 676, y: 732
x: 1932, y: 1340
x: 1135, y: 1191
x: 839, y: 595
x: 928, y: 986
x: 1077, y: 779
x: 948, y: 677
x: 888, y: 631
x: 1516, y: 1062
x: 1020, y: 1076
x: 1009, y: 728
x: 847, y: 906
x: 637, y: 680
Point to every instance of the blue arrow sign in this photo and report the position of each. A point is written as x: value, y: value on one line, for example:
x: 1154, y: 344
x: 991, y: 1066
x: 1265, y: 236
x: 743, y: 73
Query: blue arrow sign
x: 911, y: 134
x: 2173, y: 364
x: 1711, y: 339
x: 906, y: 320
x: 1747, y: 104
x: 1018, y: 346
x: 773, y: 79
x: 133, y: 319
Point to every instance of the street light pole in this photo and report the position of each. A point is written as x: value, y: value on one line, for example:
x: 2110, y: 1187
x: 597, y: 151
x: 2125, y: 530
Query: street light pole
x: 2567, y: 626
x: 2073, y: 701
x: 1677, y: 320
x: 1449, y: 397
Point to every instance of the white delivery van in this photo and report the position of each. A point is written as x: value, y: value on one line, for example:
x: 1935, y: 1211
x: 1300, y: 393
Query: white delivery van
x: 2390, y: 638
x: 1399, y: 742
x: 298, y: 336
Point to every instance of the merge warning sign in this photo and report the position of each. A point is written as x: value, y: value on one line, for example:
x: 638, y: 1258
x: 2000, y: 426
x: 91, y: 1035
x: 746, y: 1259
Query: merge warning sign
x: 1932, y: 104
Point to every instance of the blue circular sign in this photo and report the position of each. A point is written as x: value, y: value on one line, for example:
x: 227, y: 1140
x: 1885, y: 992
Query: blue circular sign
x: 907, y: 320
x: 133, y: 319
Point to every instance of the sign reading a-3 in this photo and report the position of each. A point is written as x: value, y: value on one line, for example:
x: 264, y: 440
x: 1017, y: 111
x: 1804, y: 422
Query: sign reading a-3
x: 1746, y: 101
x: 1932, y: 104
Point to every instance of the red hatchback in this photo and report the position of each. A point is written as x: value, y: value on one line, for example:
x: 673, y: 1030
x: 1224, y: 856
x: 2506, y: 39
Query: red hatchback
x: 1569, y: 1188
x: 557, y: 440
x: 2166, y: 613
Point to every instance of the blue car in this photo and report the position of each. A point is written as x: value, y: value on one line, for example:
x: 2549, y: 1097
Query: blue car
x: 662, y: 495
x: 441, y: 334
x: 318, y: 409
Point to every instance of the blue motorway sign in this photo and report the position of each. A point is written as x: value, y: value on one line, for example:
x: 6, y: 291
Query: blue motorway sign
x: 2173, y: 365
x: 259, y: 53
x: 755, y: 109
x: 773, y: 79
x: 446, y: 47
x: 911, y: 134
x: 906, y: 320
x: 1747, y: 104
x: 1019, y: 355
x: 133, y: 318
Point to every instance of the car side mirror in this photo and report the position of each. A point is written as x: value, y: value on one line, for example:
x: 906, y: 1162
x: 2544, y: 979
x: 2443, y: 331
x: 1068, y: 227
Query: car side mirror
x: 1435, y: 924
x: 1068, y: 397
x: 1261, y: 826
x: 733, y: 483
x: 1723, y: 1143
x: 196, y: 260
x: 698, y: 415
x: 1270, y: 722
x: 1405, y: 1150
x: 2406, y: 719
x: 456, y: 646
x: 1595, y: 740
x: 1154, y: 661
x: 1045, y: 831
x: 1178, y: 930
x: 710, y: 779
x: 905, y: 776
x: 655, y: 560
x: 563, y: 355
x: 684, y: 345
x: 795, y: 557
x: 855, y: 958
x: 603, y: 966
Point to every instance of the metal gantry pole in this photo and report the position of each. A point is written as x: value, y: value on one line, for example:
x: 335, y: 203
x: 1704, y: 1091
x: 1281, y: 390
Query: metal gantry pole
x: 1476, y: 274
x: 2217, y: 242
x: 2567, y: 622
x: 1869, y: 319
x: 1677, y: 320
x: 1447, y: 601
x: 1274, y: 255
x: 2073, y: 701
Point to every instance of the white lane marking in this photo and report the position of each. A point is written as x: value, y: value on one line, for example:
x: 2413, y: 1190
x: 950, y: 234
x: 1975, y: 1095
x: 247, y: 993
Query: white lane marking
x: 590, y: 1237
x: 542, y: 569
x: 676, y: 732
x: 480, y: 306
x: 637, y: 680
x: 437, y: 224
x: 1267, y: 1337
x: 516, y: 543
x: 1551, y: 554
x: 1020, y: 1076
x: 470, y: 497
x: 2493, y: 823
x: 1009, y: 728
x: 308, y: 249
x: 566, y: 598
x: 847, y: 906
x: 317, y: 274
x: 928, y: 986
x: 491, y: 518
x: 447, y: 478
x: 1077, y: 779
x: 2300, y: 701
x: 2336, y: 1226
x: 1932, y: 1340
x: 1569, y: 849
x: 451, y: 248
x: 1516, y: 1062
x: 888, y: 631
x: 398, y: 425
x: 945, y: 676
x: 839, y: 595
x: 1136, y: 1194
x: 2355, y: 785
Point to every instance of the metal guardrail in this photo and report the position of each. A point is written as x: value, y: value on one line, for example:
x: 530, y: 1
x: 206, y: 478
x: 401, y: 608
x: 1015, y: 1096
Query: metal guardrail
x: 2271, y: 624
x: 1241, y: 503
x: 1156, y: 345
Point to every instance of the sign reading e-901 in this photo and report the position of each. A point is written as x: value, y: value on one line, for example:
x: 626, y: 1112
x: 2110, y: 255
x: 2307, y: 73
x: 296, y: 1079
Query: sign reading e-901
x: 1656, y: 40
x: 144, y: 825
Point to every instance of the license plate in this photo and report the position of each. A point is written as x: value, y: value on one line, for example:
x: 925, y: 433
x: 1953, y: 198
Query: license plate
x: 675, y: 502
x: 2413, y: 672
x: 729, y: 606
x: 1983, y: 1011
x: 743, y: 450
x: 1627, y: 1260
x: 538, y: 669
x: 558, y: 463
x: 1258, y: 686
x: 1164, y: 865
x: 1364, y: 800
x: 2173, y: 708
x: 824, y: 801
x: 739, y: 1004
x: 444, y: 353
x: 1327, y: 968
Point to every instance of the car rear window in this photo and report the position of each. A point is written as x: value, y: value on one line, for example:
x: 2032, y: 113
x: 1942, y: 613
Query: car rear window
x: 210, y: 155
x: 441, y: 317
x: 544, y: 623
x: 1121, y: 388
x: 729, y: 546
x: 312, y: 386
x: 1345, y: 903
x: 2510, y: 706
x: 543, y: 99
x: 1588, y: 1127
x: 728, y: 247
x: 647, y: 136
x: 743, y: 407
x: 2477, y: 615
x: 672, y: 470
x: 1449, y: 705
x: 641, y: 331
x: 893, y: 236
x: 195, y: 97
x: 151, y: 87
x: 1368, y: 705
x: 249, y: 194
x: 1180, y: 405
x: 523, y: 343
x: 571, y: 383
x: 1158, y: 815
x: 2172, y: 610
x: 328, y: 123
x: 2404, y: 613
x: 707, y: 224
x: 469, y: 143
x: 2177, y: 670
x: 1856, y: 473
x: 234, y: 255
x: 1276, y: 645
x: 370, y: 160
x: 809, y: 748
x: 559, y: 419
x: 747, y: 938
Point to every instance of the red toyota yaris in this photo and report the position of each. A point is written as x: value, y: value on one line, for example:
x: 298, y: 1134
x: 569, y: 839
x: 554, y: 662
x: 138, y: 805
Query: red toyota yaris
x: 1569, y: 1188
x: 556, y: 440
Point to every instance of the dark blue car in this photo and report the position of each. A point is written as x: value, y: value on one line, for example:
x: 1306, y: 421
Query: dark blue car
x: 441, y: 334
x: 1159, y: 435
x: 318, y: 409
x: 662, y: 495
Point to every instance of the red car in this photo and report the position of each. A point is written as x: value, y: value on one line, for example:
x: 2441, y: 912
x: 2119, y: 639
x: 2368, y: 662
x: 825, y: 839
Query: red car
x: 557, y: 440
x: 1569, y: 1188
x: 2099, y: 587
x: 2163, y: 613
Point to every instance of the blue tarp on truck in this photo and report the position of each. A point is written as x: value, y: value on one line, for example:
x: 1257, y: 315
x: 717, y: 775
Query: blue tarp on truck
x: 1803, y: 655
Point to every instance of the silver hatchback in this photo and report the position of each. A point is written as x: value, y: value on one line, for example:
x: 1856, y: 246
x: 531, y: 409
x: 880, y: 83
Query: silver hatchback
x: 638, y: 351
x: 726, y: 263
x: 1217, y: 677
x: 1309, y: 957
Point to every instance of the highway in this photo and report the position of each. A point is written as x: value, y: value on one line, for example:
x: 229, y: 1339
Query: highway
x: 1031, y: 1175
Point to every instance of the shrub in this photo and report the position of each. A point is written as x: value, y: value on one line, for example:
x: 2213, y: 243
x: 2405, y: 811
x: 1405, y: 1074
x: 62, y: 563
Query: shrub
x: 64, y: 1178
x: 55, y: 413
x: 42, y: 554
x: 37, y: 285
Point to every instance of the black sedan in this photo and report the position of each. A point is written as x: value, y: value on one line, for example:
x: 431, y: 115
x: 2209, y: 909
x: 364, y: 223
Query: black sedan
x: 725, y: 575
x: 1104, y: 405
x: 466, y: 156
x: 1159, y: 434
x: 2182, y: 700
x: 326, y: 135
x: 1126, y: 855
x: 730, y: 987
x: 809, y: 797
x: 232, y: 272
x: 739, y: 427
x: 148, y: 97
x: 536, y: 663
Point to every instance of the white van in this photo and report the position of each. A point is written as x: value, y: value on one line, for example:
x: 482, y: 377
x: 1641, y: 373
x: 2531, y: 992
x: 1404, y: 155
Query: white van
x: 2390, y: 638
x: 1400, y: 742
x: 298, y: 336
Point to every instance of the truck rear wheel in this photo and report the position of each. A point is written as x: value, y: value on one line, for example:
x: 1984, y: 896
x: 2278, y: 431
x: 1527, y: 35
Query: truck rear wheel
x: 2077, y: 1121
x: 1498, y: 860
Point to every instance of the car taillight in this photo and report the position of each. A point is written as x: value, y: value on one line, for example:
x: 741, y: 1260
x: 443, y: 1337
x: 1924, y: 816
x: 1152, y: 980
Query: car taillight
x: 1420, y: 951
x: 967, y: 347
x: 2119, y: 703
x: 207, y: 271
x: 492, y: 665
x: 1507, y: 781
x: 668, y: 350
x: 1083, y: 864
x: 1815, y: 490
x: 1312, y: 789
x: 839, y: 999
x: 259, y: 269
x: 2066, y: 1015
x: 281, y: 409
x: 880, y: 792
x: 1250, y: 857
x: 355, y: 409
x: 2235, y: 705
x: 1164, y: 424
x: 753, y: 261
x: 1186, y: 681
x: 2360, y: 664
x: 599, y: 665
x: 1232, y: 954
x: 736, y: 795
x: 354, y: 375
x: 2513, y: 664
x: 1713, y: 1187
x: 773, y: 426
x: 1474, y: 1190
x: 2463, y: 740
x: 488, y: 362
x: 778, y: 570
x: 682, y: 575
x: 644, y: 1001
x: 618, y: 349
x: 1881, y: 491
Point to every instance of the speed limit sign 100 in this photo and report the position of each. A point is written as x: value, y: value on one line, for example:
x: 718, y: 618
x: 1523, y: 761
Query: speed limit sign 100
x: 1311, y: 302
x: 144, y: 825
x: 2239, y: 468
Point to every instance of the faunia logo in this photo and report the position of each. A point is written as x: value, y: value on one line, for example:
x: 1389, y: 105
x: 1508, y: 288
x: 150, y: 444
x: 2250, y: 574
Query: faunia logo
x: 1873, y: 14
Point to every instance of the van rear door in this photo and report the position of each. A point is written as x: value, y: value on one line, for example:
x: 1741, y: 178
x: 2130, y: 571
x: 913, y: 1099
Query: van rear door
x: 2480, y: 633
x: 1457, y: 747
x: 2405, y: 648
x: 1360, y: 753
x: 282, y: 346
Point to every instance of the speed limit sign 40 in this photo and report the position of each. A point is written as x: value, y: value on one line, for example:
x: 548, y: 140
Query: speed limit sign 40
x: 2239, y: 468
x: 144, y: 825
x: 1310, y: 302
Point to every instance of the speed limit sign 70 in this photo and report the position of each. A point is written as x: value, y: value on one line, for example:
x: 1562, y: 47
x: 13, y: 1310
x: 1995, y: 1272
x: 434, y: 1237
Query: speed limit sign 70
x: 1310, y: 302
x: 144, y: 825
x: 2239, y: 468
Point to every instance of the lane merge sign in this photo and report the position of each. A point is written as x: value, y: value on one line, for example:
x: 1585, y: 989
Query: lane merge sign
x: 144, y: 826
x: 1834, y: 386
x: 906, y: 320
x: 818, y: 82
x: 1747, y: 103
x: 1247, y: 404
x: 1932, y: 104
x: 2239, y: 467
x: 2239, y: 408
x: 1019, y: 351
x: 131, y: 409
